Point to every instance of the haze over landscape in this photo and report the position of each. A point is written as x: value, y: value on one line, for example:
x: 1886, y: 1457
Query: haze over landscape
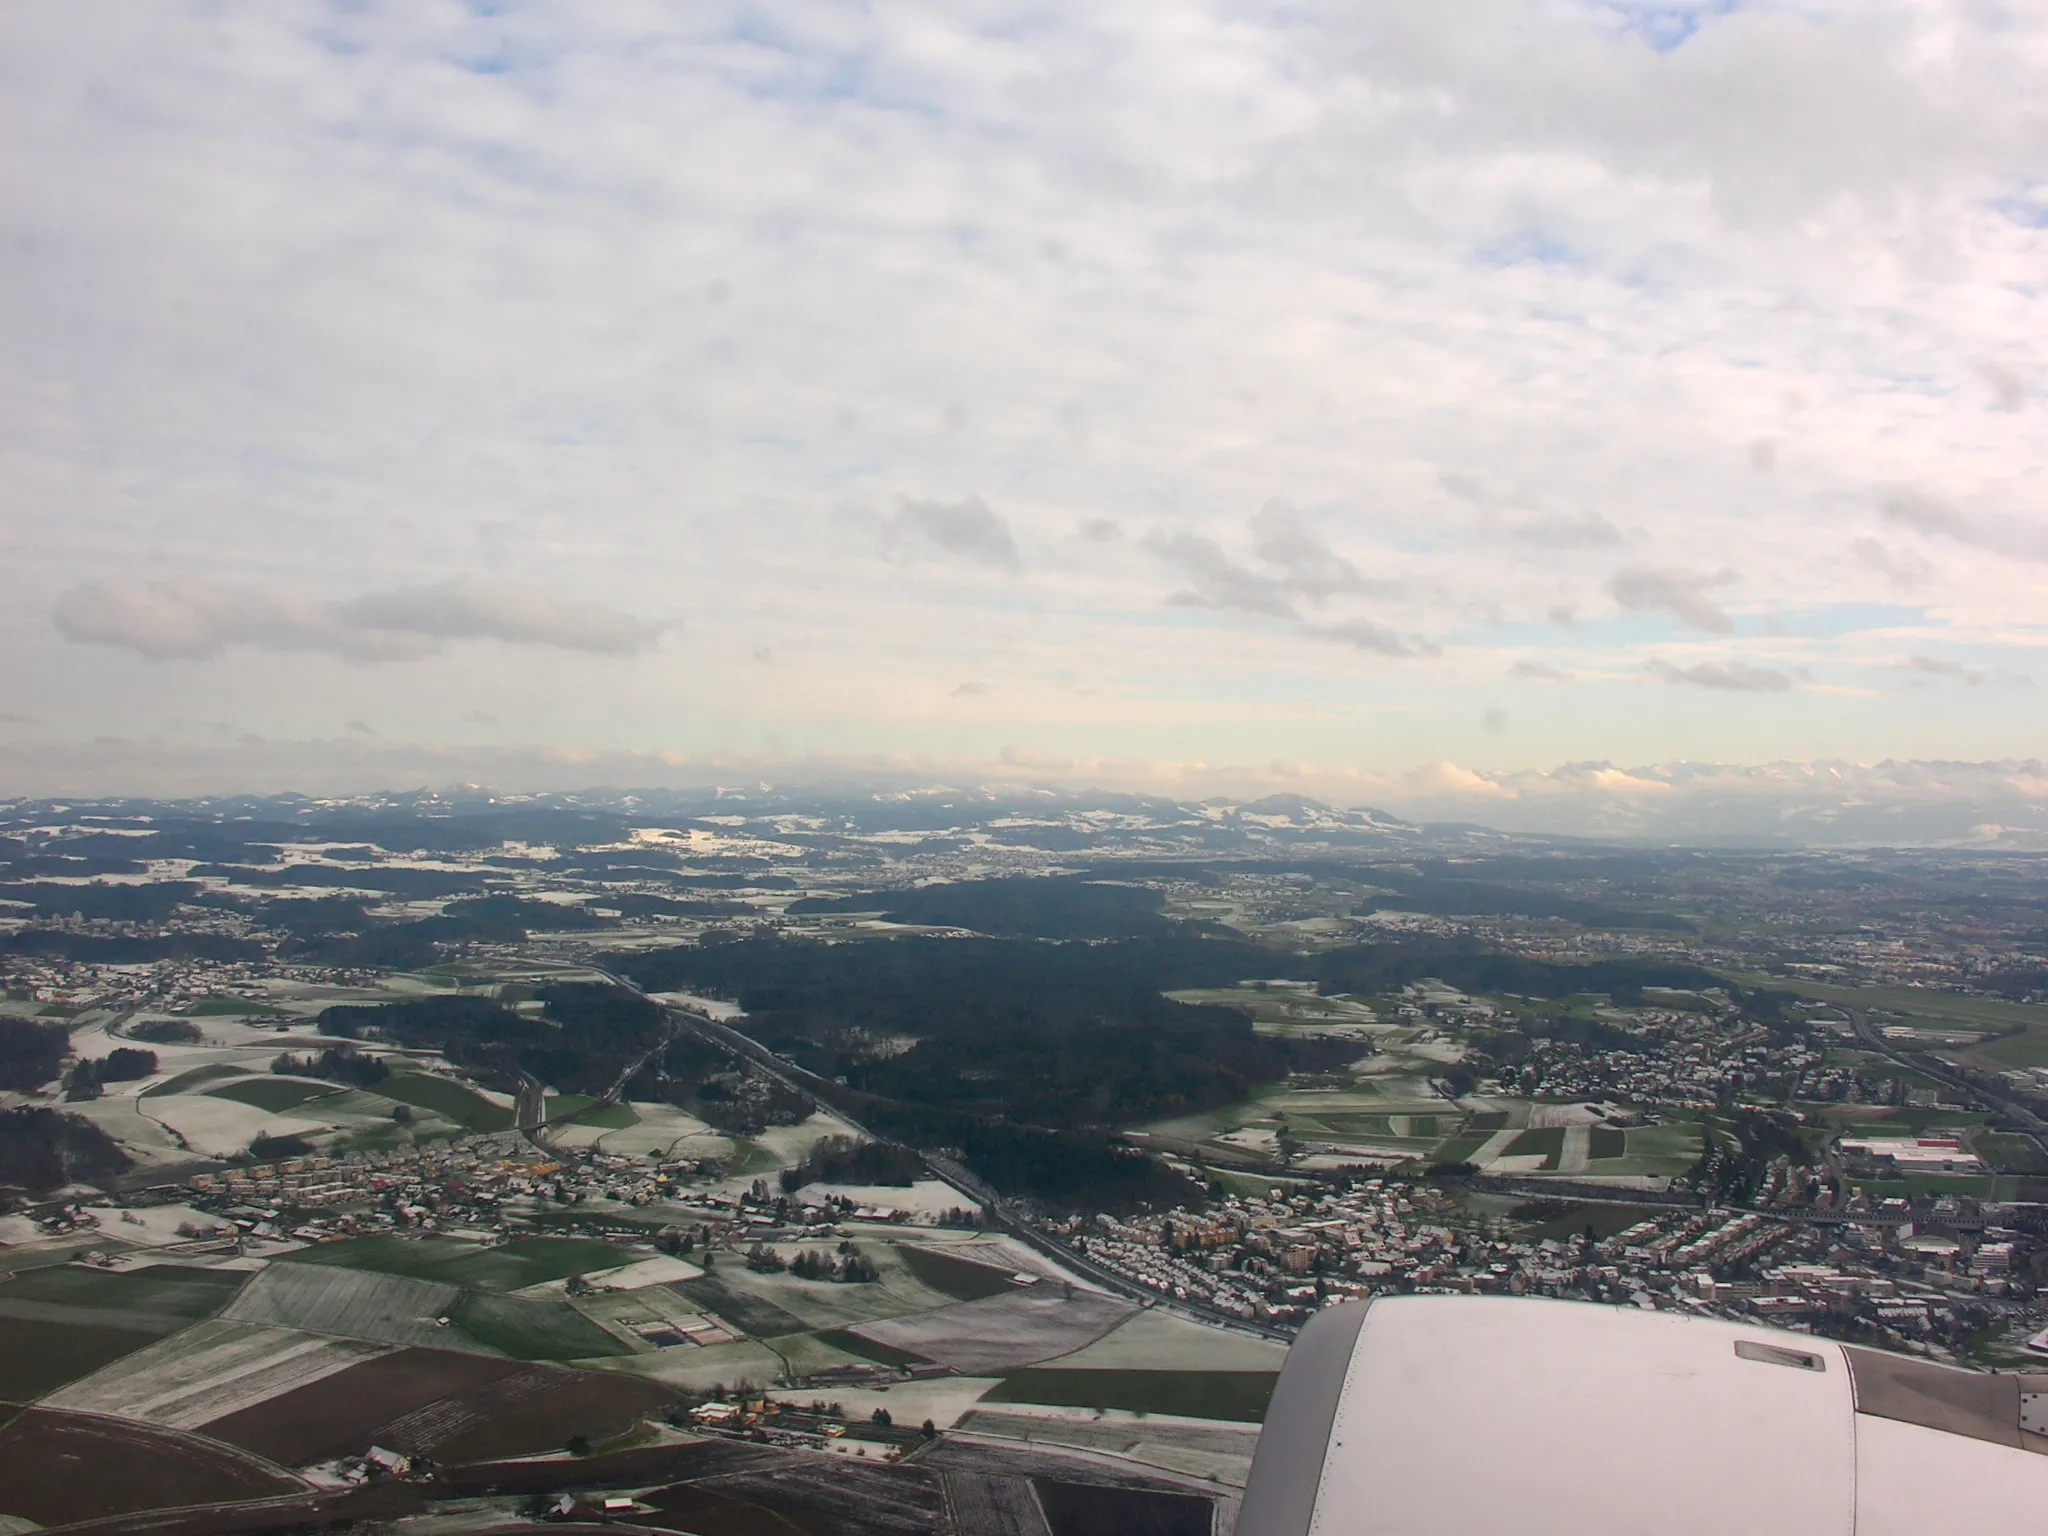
x: 1390, y: 406
x: 1149, y: 768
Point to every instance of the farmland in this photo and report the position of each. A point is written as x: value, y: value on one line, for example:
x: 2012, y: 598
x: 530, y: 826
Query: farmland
x: 58, y: 1467
x: 531, y: 1330
x: 1199, y: 1394
x: 357, y: 1304
x: 39, y: 1356
x: 451, y: 1100
x: 978, y: 1338
x: 450, y: 1261
x: 275, y: 1094
x: 209, y: 1371
x: 172, y: 1292
x: 344, y: 1411
x: 960, y: 1278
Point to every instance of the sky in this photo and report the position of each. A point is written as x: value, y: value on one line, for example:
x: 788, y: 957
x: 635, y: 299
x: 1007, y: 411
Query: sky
x: 1162, y: 394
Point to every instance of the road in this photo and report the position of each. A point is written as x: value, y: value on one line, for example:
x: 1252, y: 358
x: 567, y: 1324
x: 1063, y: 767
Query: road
x: 2029, y: 1124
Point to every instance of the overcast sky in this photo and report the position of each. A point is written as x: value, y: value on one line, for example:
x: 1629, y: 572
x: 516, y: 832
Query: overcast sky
x: 1302, y: 390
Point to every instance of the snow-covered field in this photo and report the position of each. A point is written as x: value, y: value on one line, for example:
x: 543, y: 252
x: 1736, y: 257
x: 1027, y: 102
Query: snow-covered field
x: 1158, y: 1341
x: 210, y: 1370
x: 927, y: 1197
x: 1003, y: 1332
x: 221, y: 1127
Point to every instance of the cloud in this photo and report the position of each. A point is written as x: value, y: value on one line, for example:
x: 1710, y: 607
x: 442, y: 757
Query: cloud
x: 194, y: 620
x: 1933, y: 518
x: 1538, y: 671
x: 966, y: 528
x: 1976, y: 677
x: 1682, y: 594
x: 1420, y: 270
x: 1216, y: 580
x: 1902, y: 568
x: 970, y: 690
x: 1926, y: 515
x: 1282, y: 538
x: 1303, y: 566
x: 470, y: 608
x: 1099, y: 530
x: 478, y: 717
x: 1725, y: 677
x: 2008, y: 388
x: 361, y: 727
x: 1364, y: 635
x: 1589, y: 532
x: 1941, y: 668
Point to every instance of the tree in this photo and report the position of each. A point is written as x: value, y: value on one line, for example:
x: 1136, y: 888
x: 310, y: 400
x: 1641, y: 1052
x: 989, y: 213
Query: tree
x: 579, y: 1445
x: 882, y: 1417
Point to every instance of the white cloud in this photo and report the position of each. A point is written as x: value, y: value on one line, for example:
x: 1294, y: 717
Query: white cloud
x: 1364, y: 635
x: 639, y: 301
x: 966, y: 528
x: 470, y: 608
x: 1589, y: 532
x: 1933, y: 518
x: 194, y: 620
x: 1682, y: 594
x: 1722, y: 676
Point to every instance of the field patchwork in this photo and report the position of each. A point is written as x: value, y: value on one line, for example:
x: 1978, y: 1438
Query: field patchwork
x: 56, y: 1468
x: 210, y: 1371
x: 38, y: 1356
x: 356, y: 1304
x: 979, y: 1338
x: 340, y: 1413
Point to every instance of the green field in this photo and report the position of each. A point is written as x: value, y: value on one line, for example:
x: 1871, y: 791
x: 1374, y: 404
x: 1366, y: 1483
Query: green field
x: 2028, y: 1050
x: 446, y: 1098
x: 750, y: 1314
x: 163, y: 1289
x: 39, y: 1357
x: 1679, y: 1145
x: 2012, y: 1154
x: 961, y: 1279
x: 612, y: 1117
x: 532, y: 1261
x: 1238, y: 1395
x: 1607, y: 1141
x: 532, y: 1330
x: 185, y: 1082
x: 1459, y: 1149
x: 508, y: 1267
x: 563, y: 1107
x: 867, y: 1349
x: 276, y: 1094
x: 1918, y: 1006
x: 1547, y: 1143
x: 228, y: 1007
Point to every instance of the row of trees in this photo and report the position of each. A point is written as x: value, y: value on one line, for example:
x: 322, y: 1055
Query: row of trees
x: 123, y: 1064
x: 336, y: 1064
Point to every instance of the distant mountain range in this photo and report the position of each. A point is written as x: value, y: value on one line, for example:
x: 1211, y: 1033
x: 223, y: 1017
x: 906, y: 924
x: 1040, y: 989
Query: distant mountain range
x: 1991, y: 806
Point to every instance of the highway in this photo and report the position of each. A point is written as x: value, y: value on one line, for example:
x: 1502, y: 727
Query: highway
x: 2025, y: 1120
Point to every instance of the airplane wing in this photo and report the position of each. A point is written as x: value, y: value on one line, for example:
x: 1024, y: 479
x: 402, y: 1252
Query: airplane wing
x: 1433, y: 1415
